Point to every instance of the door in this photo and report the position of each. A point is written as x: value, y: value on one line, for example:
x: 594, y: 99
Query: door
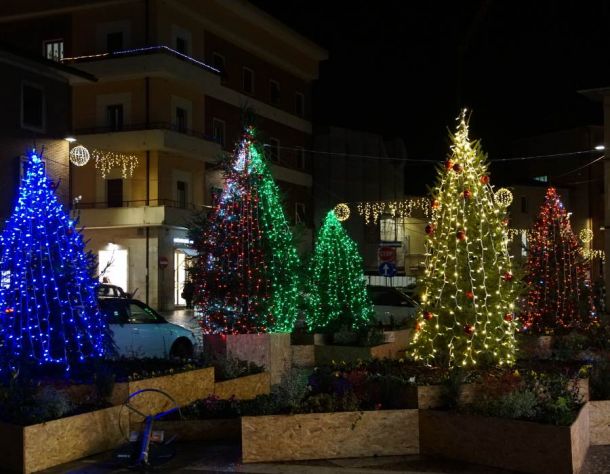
x: 179, y: 277
x: 114, y: 192
x: 113, y: 265
x: 147, y: 336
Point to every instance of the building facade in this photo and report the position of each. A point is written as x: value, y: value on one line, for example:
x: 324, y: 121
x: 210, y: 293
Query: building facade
x: 175, y: 79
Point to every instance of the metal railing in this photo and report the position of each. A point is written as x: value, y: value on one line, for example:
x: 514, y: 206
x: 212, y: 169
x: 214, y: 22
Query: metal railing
x: 140, y: 203
x: 148, y: 126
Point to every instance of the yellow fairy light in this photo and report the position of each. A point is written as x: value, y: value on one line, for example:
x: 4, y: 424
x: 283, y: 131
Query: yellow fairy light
x: 586, y: 235
x: 503, y: 197
x: 105, y: 161
x: 342, y: 211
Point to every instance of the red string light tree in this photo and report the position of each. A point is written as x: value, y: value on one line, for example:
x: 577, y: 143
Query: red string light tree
x: 558, y: 290
x: 466, y: 316
x: 246, y: 275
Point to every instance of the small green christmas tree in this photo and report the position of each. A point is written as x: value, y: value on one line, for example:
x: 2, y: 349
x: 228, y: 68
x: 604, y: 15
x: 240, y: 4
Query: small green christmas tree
x: 468, y: 302
x: 336, y: 285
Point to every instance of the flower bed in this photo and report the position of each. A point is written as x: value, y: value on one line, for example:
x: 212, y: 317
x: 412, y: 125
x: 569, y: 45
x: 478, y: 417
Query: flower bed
x: 40, y: 446
x: 329, y: 435
x: 508, y: 444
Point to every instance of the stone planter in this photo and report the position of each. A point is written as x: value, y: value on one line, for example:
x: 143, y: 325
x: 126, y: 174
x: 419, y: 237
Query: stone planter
x: 36, y: 447
x: 244, y: 388
x: 226, y: 429
x: 329, y: 435
x: 328, y: 354
x: 508, y: 444
x: 599, y: 420
x: 303, y: 356
x: 272, y: 350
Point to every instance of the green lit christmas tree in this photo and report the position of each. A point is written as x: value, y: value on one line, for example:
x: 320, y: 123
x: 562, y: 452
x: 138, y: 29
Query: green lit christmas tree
x: 468, y: 302
x: 246, y: 276
x: 336, y: 286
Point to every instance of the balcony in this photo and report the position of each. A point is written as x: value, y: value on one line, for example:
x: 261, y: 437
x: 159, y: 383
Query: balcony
x: 134, y: 214
x: 160, y: 136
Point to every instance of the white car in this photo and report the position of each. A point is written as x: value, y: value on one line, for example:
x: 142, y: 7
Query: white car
x: 139, y: 331
x: 392, y: 305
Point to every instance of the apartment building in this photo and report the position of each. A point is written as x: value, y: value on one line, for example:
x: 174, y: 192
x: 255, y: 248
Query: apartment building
x: 174, y: 78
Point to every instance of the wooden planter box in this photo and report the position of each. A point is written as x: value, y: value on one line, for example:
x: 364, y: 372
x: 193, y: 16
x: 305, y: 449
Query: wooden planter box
x: 226, y: 429
x: 392, y: 350
x: 272, y: 350
x: 244, y: 388
x: 508, y: 444
x: 303, y: 356
x: 184, y: 387
x: 36, y: 447
x: 599, y: 420
x: 329, y: 435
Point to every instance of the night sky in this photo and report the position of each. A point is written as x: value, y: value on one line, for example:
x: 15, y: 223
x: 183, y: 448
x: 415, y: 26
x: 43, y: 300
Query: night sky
x: 406, y: 68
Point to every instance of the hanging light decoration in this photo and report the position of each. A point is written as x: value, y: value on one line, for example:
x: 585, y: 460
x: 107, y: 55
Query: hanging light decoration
x: 586, y: 235
x: 371, y: 211
x: 79, y: 156
x: 342, y: 211
x: 107, y: 160
x: 503, y: 197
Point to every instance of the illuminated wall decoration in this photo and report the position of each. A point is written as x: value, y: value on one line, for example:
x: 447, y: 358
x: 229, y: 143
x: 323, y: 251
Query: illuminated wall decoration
x: 105, y: 161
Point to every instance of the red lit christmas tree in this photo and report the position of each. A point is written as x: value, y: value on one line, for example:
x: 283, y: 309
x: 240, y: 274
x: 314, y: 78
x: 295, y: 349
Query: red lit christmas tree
x: 557, y: 275
x: 246, y: 275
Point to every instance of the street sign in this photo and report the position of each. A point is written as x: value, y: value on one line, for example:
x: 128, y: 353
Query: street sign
x: 163, y: 262
x: 387, y: 254
x: 387, y: 269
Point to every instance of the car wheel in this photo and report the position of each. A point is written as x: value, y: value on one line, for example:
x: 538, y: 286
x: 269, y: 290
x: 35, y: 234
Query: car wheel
x: 182, y: 349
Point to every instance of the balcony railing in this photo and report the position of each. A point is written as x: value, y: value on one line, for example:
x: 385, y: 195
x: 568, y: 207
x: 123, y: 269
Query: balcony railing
x: 139, y: 203
x: 148, y: 126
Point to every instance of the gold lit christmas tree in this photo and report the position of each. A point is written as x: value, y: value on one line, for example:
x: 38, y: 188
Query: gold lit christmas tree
x: 468, y: 301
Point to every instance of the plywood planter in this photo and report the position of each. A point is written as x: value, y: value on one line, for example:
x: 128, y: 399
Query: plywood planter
x: 272, y: 351
x: 303, y: 356
x: 333, y: 353
x: 329, y: 435
x: 184, y: 387
x: 244, y: 388
x: 508, y: 444
x: 36, y: 447
x: 225, y: 429
x: 431, y: 396
x: 599, y: 420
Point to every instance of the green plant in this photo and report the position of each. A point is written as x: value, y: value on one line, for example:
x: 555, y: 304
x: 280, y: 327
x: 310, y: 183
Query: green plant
x: 520, y: 404
x: 104, y: 380
x: 599, y: 381
x: 451, y: 387
x: 386, y: 391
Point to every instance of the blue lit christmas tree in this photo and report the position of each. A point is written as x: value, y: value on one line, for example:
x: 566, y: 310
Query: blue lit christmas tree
x: 48, y: 305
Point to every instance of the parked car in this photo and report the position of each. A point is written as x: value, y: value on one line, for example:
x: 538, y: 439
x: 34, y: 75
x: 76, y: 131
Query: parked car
x: 392, y: 305
x: 139, y: 331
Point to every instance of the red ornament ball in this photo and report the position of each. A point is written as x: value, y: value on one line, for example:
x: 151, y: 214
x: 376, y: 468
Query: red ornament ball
x: 508, y: 276
x: 461, y: 235
x: 457, y: 167
x: 505, y: 221
x: 427, y: 315
x: 508, y: 317
x: 484, y: 179
x: 448, y: 165
x: 469, y: 295
x: 469, y: 329
x: 429, y: 229
x: 467, y: 193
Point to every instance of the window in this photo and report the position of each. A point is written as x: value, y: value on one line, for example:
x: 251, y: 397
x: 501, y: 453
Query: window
x: 218, y: 61
x: 181, y: 45
x: 301, y: 163
x: 114, y: 117
x: 524, y: 204
x: 53, y: 49
x: 181, y: 194
x: 299, y: 105
x: 181, y: 119
x: 32, y: 107
x: 248, y: 80
x: 114, y: 41
x: 524, y: 243
x: 218, y: 131
x: 300, y: 216
x: 114, y: 192
x: 273, y: 150
x: 141, y: 314
x: 542, y: 179
x: 274, y: 92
